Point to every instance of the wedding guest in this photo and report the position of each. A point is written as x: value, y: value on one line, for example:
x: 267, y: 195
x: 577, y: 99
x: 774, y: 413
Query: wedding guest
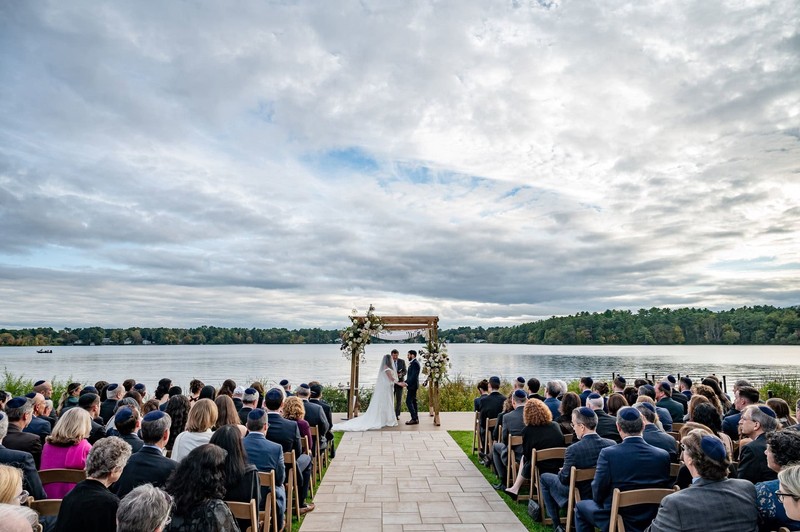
x: 693, y: 402
x: 90, y: 505
x: 4, y: 397
x: 114, y: 393
x: 744, y: 396
x: 145, y: 509
x: 227, y: 415
x: 149, y: 465
x: 293, y: 409
x: 127, y: 423
x: 707, y: 415
x: 483, y: 391
x: 606, y: 425
x: 241, y: 478
x: 227, y: 388
x: 21, y: 460
x: 491, y: 406
x: 713, y: 382
x: 150, y: 405
x: 287, y: 387
x: 783, y: 449
x: 249, y: 402
x: 162, y: 390
x: 533, y: 389
x: 552, y: 390
x: 136, y: 396
x: 781, y: 409
x: 615, y: 402
x: 315, y: 417
x: 202, y: 417
x: 178, y: 410
x: 20, y: 412
x: 267, y: 456
x: 316, y: 398
x: 70, y: 398
x: 195, y: 386
x: 207, y: 392
x: 708, y: 393
x: 18, y: 518
x: 756, y: 422
x: 39, y: 425
x: 11, y: 491
x: 258, y: 387
x: 652, y: 434
x: 67, y: 448
x: 585, y: 386
x: 569, y: 402
x: 789, y: 493
x: 141, y: 389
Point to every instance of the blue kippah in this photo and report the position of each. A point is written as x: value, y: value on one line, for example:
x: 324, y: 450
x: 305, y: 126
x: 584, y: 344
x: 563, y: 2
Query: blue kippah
x: 139, y: 386
x: 648, y: 406
x: 284, y: 382
x: 250, y: 391
x: 713, y: 448
x: 30, y: 395
x: 123, y: 415
x: 594, y: 395
x: 586, y: 411
x: 667, y: 386
x: 521, y: 380
x: 304, y: 385
x: 494, y: 379
x: 520, y: 394
x: 113, y: 386
x: 88, y: 389
x: 621, y: 379
x: 17, y: 402
x: 768, y: 411
x: 154, y: 415
x: 256, y: 414
x: 274, y: 394
x: 671, y: 379
x: 629, y: 414
x: 37, y: 383
x: 649, y: 387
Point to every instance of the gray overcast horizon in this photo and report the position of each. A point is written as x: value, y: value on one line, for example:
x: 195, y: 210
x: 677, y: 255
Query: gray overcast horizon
x: 266, y: 164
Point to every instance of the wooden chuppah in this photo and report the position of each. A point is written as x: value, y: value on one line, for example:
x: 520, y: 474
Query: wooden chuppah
x: 399, y: 323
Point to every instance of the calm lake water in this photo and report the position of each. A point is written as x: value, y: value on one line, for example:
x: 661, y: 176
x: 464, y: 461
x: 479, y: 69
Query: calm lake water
x: 301, y: 363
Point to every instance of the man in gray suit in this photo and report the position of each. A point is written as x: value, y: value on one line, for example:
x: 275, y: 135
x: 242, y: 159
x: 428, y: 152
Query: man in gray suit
x: 513, y: 424
x: 400, y: 367
x: 713, y: 503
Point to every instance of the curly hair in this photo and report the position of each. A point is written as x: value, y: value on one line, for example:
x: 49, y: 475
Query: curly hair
x: 198, y: 478
x: 785, y: 447
x: 178, y: 410
x: 294, y: 409
x: 107, y: 455
x: 226, y: 412
x: 569, y: 402
x: 72, y: 428
x: 537, y: 413
x: 615, y: 402
x: 195, y: 385
x: 709, y: 393
x: 707, y: 468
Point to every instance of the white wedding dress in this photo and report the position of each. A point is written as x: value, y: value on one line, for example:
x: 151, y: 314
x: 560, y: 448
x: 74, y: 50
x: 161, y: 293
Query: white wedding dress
x: 380, y: 412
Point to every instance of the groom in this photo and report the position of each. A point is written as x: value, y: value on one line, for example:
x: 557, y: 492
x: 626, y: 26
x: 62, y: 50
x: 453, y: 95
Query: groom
x: 412, y: 383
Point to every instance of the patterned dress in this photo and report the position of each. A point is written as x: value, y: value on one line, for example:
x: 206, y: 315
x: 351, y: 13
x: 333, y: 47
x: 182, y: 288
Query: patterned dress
x: 771, y: 513
x: 211, y: 516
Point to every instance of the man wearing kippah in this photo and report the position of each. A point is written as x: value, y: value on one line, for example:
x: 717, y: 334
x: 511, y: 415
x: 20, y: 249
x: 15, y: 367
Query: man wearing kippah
x: 267, y: 456
x: 114, y: 392
x: 664, y: 400
x: 755, y: 423
x: 315, y: 417
x: 149, y: 465
x: 491, y: 406
x: 249, y: 401
x: 632, y: 464
x: 513, y: 425
x: 20, y: 412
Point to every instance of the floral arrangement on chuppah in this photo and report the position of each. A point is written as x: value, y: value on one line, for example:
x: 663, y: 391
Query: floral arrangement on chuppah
x: 356, y: 337
x: 436, y: 362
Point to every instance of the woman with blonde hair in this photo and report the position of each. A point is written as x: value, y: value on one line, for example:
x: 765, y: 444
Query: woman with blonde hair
x: 67, y: 448
x: 789, y: 491
x: 294, y: 409
x: 201, y: 420
x: 226, y: 414
x: 11, y: 491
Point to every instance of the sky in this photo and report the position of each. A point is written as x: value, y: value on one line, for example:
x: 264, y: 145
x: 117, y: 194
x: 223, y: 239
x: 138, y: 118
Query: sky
x: 265, y: 164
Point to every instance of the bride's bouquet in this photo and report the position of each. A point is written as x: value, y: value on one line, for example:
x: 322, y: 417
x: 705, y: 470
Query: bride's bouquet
x: 436, y: 362
x: 358, y: 335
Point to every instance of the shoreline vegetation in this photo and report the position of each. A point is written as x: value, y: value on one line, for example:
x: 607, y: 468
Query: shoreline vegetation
x: 757, y: 325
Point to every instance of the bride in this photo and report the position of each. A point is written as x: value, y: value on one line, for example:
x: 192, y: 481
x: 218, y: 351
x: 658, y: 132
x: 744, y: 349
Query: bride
x: 380, y: 412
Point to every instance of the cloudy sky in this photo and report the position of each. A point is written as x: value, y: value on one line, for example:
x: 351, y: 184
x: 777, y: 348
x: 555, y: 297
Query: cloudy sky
x: 278, y: 164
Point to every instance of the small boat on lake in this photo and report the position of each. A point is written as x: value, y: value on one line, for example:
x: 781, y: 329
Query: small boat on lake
x: 41, y: 351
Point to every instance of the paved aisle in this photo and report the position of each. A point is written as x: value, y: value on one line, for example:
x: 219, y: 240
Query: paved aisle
x: 402, y: 480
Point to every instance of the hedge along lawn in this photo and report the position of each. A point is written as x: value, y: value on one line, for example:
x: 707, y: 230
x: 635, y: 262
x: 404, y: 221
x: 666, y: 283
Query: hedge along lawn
x: 464, y: 440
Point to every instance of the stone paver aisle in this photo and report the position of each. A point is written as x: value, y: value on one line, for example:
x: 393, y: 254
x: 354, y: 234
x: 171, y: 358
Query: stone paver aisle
x: 406, y: 481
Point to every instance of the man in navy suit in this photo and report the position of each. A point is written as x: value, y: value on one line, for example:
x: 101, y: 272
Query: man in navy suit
x: 316, y: 398
x: 552, y: 390
x: 412, y: 385
x: 756, y: 421
x: 491, y: 406
x: 20, y: 412
x: 743, y: 397
x: 585, y: 386
x: 315, y: 417
x: 266, y: 456
x: 583, y: 455
x: 149, y: 465
x: 39, y: 425
x: 655, y: 436
x: 633, y: 464
x: 21, y: 460
x: 606, y: 424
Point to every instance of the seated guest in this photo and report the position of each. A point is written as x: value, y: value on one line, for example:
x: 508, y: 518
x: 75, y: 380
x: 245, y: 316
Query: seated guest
x: 585, y: 385
x: 519, y: 383
x: 606, y: 425
x: 789, y: 493
x: 249, y: 401
x: 241, y: 478
x: 227, y: 415
x: 150, y: 405
x: 162, y: 390
x: 631, y: 393
x: 581, y: 454
x: 173, y: 391
x: 195, y: 386
x: 615, y: 402
x: 685, y: 387
x: 258, y: 387
x: 693, y: 403
x: 632, y: 464
x: 707, y: 415
x: 128, y: 384
x: 70, y: 398
x: 540, y: 432
x: 90, y: 505
x: 783, y: 449
x: 227, y: 388
x: 569, y: 402
x: 491, y: 406
x: 238, y: 393
x: 207, y: 392
x: 663, y: 414
x: 315, y: 417
x: 781, y: 409
x: 67, y: 448
x: 293, y: 409
x: 20, y: 412
x: 145, y: 509
x: 126, y: 422
x: 91, y: 403
x: 197, y: 488
x: 713, y: 502
x: 644, y: 399
x: 618, y: 385
x: 713, y: 382
x: 141, y: 389
x: 601, y: 388
x: 11, y: 491
x: 708, y: 393
x: 533, y: 389
x: 756, y: 422
x: 4, y: 398
x: 664, y: 400
x: 287, y: 387
x: 513, y: 425
x: 202, y: 417
x: 266, y: 456
x: 744, y: 396
x: 114, y: 393
x: 483, y: 391
x: 178, y: 410
x: 653, y: 435
x: 22, y: 461
x: 678, y: 397
x: 552, y: 390
x: 316, y: 398
x: 18, y: 518
x: 149, y: 465
x: 136, y: 397
x: 39, y: 424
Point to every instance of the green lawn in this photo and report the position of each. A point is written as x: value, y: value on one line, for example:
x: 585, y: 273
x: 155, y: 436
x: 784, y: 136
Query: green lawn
x: 337, y: 437
x: 464, y: 440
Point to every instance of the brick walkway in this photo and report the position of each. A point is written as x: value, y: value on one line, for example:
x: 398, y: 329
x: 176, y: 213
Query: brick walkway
x: 398, y: 481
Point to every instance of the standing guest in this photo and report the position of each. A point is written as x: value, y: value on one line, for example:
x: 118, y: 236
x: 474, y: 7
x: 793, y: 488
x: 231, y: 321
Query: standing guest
x: 533, y: 389
x: 114, y: 393
x: 149, y: 465
x: 706, y: 415
x: 743, y: 397
x: 783, y: 449
x: 316, y: 398
x: 781, y: 409
x: 756, y: 422
x: 20, y: 412
x: 315, y: 417
x: 227, y: 388
x: 483, y: 391
x: 21, y: 460
x: 178, y: 410
x: 606, y: 425
x: 585, y: 386
x: 653, y: 435
x: 267, y: 456
x: 491, y: 406
x: 162, y: 390
x: 195, y: 385
x: 91, y: 403
x: 552, y: 390
x: 67, y: 448
x: 126, y: 422
x: 513, y: 425
x: 202, y: 417
x: 293, y: 409
x: 226, y: 414
x: 569, y: 402
x: 249, y: 402
x: 238, y: 393
x: 540, y: 432
x: 145, y: 509
x: 70, y: 398
x: 615, y: 402
x: 789, y: 493
x: 197, y: 487
x: 632, y: 464
x: 287, y: 387
x: 39, y: 424
x: 713, y: 502
x: 258, y: 387
x: 664, y: 400
x: 90, y: 505
x: 241, y: 478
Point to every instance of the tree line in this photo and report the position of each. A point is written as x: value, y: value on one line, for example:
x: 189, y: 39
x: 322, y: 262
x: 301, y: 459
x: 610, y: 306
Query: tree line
x: 757, y: 325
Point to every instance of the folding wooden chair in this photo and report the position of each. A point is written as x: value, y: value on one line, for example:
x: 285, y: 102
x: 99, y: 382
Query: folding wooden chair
x: 46, y: 507
x: 316, y: 457
x: 270, y: 513
x: 476, y: 433
x: 622, y: 499
x: 676, y: 435
x: 677, y: 427
x: 305, y: 448
x: 513, y: 465
x: 488, y: 438
x: 674, y: 469
x: 576, y: 475
x: 73, y: 476
x: 292, y: 491
x: 245, y: 510
x: 568, y: 438
x: 538, y: 456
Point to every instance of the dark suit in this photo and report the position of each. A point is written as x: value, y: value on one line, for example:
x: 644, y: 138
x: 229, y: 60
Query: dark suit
x: 243, y: 413
x: 709, y: 506
x: 107, y: 408
x: 662, y: 440
x: 400, y: 364
x: 553, y: 404
x: 315, y: 416
x: 148, y: 466
x: 513, y: 425
x: 412, y: 380
x: 753, y: 461
x: 88, y: 507
x: 24, y: 461
x: 491, y: 406
x: 665, y: 418
x: 674, y: 408
x: 607, y: 426
x: 23, y: 441
x: 286, y: 433
x: 268, y: 456
x: 329, y: 416
x: 133, y: 440
x: 541, y: 437
x: 730, y: 425
x: 98, y: 432
x: 584, y: 395
x: 39, y: 426
x: 633, y: 464
x: 678, y: 397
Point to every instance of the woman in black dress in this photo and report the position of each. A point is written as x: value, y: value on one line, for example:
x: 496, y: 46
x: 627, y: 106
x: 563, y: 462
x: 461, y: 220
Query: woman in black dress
x: 241, y: 478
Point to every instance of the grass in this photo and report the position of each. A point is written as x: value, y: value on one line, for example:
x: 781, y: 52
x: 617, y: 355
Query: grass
x: 464, y: 440
x: 337, y: 437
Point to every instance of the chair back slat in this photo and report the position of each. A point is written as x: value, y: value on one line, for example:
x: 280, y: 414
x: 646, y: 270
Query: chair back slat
x: 622, y: 499
x: 576, y: 475
x: 537, y: 456
x: 46, y: 507
x: 245, y: 510
x: 73, y: 476
x: 270, y: 513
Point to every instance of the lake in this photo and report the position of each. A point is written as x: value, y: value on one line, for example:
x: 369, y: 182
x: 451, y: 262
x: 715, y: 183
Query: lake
x: 301, y: 363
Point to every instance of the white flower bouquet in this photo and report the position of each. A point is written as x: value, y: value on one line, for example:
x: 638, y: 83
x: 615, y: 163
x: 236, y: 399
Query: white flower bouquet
x: 356, y: 337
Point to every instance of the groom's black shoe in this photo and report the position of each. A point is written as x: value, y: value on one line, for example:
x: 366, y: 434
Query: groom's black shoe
x: 412, y: 422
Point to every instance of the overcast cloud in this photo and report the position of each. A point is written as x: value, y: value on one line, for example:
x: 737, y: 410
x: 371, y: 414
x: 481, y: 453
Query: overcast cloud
x: 269, y: 164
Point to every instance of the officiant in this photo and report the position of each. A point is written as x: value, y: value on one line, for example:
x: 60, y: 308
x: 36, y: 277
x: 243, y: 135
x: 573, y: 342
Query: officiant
x: 400, y: 368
